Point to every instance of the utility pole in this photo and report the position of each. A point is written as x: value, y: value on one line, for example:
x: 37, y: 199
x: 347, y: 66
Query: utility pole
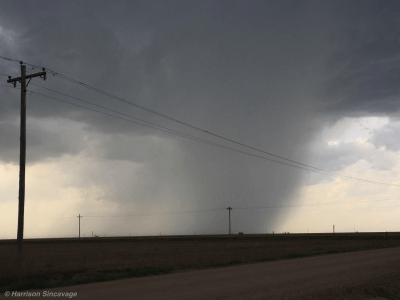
x: 229, y: 209
x: 333, y: 228
x: 80, y: 224
x: 22, y: 149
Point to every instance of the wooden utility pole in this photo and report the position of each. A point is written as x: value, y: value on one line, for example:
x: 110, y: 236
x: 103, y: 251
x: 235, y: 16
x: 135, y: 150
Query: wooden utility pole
x: 22, y: 149
x: 80, y: 225
x: 229, y: 209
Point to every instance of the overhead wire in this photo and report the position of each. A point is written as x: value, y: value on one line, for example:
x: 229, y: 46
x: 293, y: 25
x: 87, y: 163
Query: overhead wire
x: 39, y: 220
x: 217, y: 209
x: 174, y: 132
x: 160, y: 213
x: 184, y: 123
x: 165, y: 129
x: 318, y: 204
x: 202, y: 130
x: 193, y: 138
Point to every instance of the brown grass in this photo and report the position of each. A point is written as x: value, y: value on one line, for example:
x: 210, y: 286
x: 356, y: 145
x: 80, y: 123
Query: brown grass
x: 64, y: 259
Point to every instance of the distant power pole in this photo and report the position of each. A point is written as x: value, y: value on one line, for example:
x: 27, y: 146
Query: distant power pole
x: 22, y: 149
x: 80, y: 224
x: 333, y: 228
x: 229, y: 209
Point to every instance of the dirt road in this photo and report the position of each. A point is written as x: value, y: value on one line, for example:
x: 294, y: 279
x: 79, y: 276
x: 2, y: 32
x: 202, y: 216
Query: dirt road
x: 302, y: 278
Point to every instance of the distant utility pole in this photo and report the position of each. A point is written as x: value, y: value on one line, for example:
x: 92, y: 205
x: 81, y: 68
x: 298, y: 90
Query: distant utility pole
x: 333, y: 228
x: 229, y: 209
x: 22, y: 148
x: 79, y: 224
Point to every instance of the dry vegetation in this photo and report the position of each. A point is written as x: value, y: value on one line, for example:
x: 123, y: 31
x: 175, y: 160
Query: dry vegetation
x: 71, y: 261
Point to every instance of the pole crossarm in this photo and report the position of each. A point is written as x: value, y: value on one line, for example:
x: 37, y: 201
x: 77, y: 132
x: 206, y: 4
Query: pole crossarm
x: 18, y: 79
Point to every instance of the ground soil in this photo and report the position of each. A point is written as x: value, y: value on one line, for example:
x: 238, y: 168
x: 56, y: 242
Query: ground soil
x: 352, y: 275
x: 106, y: 253
x: 197, y: 252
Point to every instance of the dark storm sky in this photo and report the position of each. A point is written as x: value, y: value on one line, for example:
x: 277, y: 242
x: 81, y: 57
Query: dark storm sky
x: 269, y: 74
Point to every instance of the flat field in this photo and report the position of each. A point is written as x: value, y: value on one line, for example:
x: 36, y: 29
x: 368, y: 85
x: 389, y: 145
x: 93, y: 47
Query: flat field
x: 58, y: 262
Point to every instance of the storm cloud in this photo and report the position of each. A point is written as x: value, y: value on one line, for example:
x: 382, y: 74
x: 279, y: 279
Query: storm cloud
x: 365, y: 65
x: 266, y: 74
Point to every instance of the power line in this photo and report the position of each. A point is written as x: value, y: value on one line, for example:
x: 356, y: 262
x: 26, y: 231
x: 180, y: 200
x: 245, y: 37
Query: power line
x: 217, y: 209
x: 138, y: 215
x: 171, y: 131
x: 183, y: 123
x: 160, y: 214
x: 39, y: 220
x: 317, y: 204
x: 202, y: 140
x: 194, y: 127
x: 91, y: 103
